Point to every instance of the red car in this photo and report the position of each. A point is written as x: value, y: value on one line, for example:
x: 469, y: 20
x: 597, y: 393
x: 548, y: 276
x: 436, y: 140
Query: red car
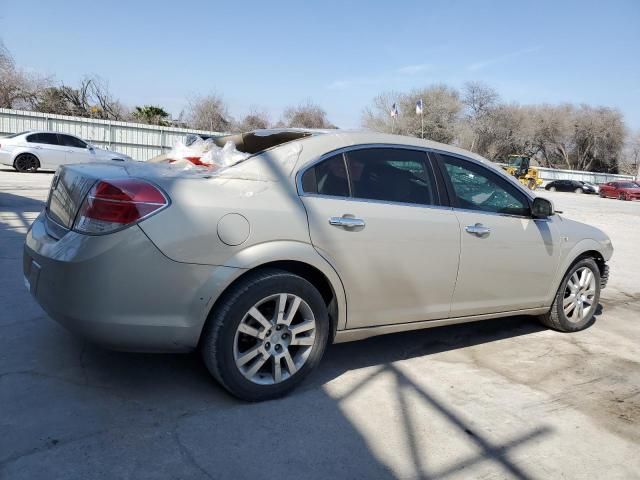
x: 622, y: 190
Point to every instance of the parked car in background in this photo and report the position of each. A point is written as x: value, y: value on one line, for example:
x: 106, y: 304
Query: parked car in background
x: 571, y: 186
x: 621, y: 190
x: 312, y: 239
x: 32, y: 150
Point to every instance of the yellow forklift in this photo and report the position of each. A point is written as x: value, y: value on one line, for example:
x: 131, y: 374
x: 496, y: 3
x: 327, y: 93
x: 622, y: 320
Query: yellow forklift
x: 520, y: 167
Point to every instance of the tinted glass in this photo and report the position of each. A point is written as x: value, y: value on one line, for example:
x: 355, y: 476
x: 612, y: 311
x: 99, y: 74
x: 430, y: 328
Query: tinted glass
x: 391, y: 175
x: 47, y: 138
x: 477, y: 188
x: 329, y: 177
x: 69, y: 141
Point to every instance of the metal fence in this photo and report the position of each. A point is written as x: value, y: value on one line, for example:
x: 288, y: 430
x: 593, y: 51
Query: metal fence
x: 137, y: 140
x: 550, y: 174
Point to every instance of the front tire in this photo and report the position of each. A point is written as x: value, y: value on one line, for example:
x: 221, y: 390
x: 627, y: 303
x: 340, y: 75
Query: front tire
x: 265, y: 335
x: 578, y: 190
x: 552, y: 189
x: 577, y: 298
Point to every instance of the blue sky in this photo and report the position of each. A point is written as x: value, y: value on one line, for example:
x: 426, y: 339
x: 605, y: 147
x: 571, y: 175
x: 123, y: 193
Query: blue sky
x: 340, y: 54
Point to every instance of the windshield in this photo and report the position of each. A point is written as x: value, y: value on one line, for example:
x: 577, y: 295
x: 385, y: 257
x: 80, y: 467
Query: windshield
x: 627, y: 185
x: 515, y: 161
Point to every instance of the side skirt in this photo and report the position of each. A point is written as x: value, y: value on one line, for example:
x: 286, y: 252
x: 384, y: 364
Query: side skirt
x: 353, y: 334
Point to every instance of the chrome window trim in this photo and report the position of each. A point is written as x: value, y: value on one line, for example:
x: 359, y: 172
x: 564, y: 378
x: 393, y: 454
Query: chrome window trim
x: 364, y: 146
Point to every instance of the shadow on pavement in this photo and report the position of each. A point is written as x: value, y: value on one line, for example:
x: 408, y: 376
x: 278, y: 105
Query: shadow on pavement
x: 67, y: 406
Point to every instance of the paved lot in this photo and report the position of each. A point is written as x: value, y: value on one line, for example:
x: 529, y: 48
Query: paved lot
x: 497, y: 399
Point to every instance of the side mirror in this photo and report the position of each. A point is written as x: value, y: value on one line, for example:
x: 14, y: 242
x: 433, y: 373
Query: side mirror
x: 90, y: 147
x: 542, y: 208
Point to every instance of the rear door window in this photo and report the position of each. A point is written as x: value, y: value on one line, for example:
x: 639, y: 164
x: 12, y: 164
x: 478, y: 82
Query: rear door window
x: 391, y: 175
x: 328, y: 177
x: 46, y: 138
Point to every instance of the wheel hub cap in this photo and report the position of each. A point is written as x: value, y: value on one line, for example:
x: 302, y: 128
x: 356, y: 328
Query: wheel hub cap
x: 274, y: 339
x: 579, y: 295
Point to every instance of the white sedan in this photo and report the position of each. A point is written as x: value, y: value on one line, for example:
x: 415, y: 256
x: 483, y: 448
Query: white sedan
x: 29, y: 151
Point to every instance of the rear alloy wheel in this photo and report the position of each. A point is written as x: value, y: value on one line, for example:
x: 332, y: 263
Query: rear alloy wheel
x: 622, y: 196
x: 268, y: 333
x: 577, y: 299
x: 552, y: 189
x: 26, y: 163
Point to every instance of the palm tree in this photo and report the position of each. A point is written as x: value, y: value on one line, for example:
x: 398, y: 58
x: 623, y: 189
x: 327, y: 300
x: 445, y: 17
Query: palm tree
x: 151, y: 114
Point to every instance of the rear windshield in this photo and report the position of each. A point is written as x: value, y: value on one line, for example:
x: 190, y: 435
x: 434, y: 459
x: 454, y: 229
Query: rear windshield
x: 13, y: 135
x: 260, y: 140
x: 627, y: 185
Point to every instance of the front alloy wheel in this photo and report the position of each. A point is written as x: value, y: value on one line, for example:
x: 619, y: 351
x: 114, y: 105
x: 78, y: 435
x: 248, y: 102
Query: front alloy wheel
x: 265, y: 334
x: 575, y: 304
x: 579, y: 294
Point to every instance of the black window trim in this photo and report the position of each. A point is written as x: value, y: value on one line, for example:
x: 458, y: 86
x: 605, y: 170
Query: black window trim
x: 441, y: 197
x: 439, y: 161
x: 62, y: 144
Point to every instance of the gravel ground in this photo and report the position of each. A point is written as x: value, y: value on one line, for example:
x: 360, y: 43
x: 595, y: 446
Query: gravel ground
x: 496, y: 399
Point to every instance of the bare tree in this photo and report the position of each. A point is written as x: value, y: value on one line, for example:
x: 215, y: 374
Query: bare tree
x: 306, y: 115
x: 18, y: 89
x: 209, y: 113
x: 441, y: 110
x: 630, y: 155
x: 580, y: 138
x: 254, y: 120
x: 91, y: 99
x: 479, y: 101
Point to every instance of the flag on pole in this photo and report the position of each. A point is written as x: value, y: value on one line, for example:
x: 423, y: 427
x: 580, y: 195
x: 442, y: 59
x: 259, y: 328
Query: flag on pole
x: 419, y: 107
x: 394, y: 111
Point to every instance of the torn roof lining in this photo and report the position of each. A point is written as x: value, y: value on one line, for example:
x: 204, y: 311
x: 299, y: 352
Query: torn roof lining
x: 258, y: 141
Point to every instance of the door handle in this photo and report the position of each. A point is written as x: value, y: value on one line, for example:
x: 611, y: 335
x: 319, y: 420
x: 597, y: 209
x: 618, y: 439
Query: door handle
x: 478, y: 230
x: 347, y: 222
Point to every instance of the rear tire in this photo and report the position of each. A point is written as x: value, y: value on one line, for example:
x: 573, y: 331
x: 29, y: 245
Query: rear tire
x: 552, y: 189
x: 577, y: 298
x: 622, y: 197
x: 26, y: 162
x: 278, y: 360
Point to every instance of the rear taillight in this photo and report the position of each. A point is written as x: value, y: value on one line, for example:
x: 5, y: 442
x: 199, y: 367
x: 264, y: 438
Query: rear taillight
x: 113, y: 204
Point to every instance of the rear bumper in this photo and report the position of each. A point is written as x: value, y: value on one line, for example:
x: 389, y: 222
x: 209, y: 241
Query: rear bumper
x: 5, y: 158
x: 119, y: 290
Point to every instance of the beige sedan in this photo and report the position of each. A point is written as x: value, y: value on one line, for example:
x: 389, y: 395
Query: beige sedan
x: 316, y: 237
